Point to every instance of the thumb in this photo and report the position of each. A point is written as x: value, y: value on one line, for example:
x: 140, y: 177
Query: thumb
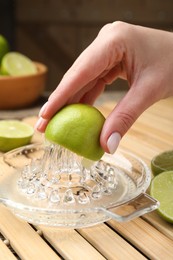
x: 123, y: 116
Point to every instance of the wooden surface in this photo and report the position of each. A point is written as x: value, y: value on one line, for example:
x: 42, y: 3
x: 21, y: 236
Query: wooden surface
x: 147, y: 237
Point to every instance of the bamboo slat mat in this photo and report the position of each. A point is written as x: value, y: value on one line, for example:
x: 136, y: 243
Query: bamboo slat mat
x: 147, y: 237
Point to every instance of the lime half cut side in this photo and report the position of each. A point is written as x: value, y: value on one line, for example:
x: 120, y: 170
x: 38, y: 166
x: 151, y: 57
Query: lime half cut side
x: 162, y: 162
x: 17, y: 64
x: 13, y: 134
x: 162, y: 190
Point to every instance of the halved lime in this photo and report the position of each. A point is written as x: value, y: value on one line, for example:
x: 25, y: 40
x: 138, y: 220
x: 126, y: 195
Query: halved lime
x: 77, y: 127
x: 13, y: 134
x: 17, y: 64
x: 162, y: 162
x: 4, y: 46
x: 162, y: 190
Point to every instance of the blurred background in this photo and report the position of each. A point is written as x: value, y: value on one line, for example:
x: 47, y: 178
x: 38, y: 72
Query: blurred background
x: 55, y: 32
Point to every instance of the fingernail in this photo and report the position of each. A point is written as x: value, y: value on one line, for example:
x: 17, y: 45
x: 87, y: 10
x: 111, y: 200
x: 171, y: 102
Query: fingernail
x: 113, y: 142
x: 39, y: 123
x: 42, y: 109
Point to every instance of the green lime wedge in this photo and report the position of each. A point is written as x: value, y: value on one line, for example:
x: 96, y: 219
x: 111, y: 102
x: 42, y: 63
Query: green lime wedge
x: 17, y: 64
x: 162, y: 190
x: 162, y: 162
x: 13, y: 134
x: 4, y: 46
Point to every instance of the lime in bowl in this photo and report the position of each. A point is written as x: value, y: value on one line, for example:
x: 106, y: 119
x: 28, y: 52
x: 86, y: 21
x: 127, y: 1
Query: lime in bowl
x: 22, y: 81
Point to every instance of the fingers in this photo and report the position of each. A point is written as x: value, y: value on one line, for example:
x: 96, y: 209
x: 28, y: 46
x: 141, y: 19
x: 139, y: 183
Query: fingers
x: 41, y: 124
x: 102, y: 55
x: 83, y: 71
x: 79, y: 95
x: 91, y: 96
x: 88, y: 96
x: 123, y: 116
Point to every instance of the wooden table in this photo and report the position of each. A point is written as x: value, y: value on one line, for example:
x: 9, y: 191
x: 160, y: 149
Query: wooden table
x: 147, y: 237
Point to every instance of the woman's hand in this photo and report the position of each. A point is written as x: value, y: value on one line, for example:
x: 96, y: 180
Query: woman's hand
x: 142, y: 56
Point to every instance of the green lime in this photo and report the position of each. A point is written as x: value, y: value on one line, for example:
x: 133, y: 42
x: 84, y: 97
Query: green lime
x: 77, y: 127
x: 13, y: 134
x: 162, y: 162
x: 17, y: 64
x: 162, y: 190
x: 4, y: 46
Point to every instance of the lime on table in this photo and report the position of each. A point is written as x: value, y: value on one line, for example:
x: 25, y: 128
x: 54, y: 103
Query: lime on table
x: 162, y: 190
x: 13, y: 134
x: 162, y: 162
x: 77, y: 127
x: 4, y: 46
x: 17, y: 64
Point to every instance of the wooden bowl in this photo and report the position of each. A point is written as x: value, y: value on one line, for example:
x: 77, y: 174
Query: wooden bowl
x: 22, y: 91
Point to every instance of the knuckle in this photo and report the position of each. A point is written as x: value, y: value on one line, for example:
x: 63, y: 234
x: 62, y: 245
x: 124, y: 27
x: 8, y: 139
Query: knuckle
x: 115, y: 33
x: 126, y: 120
x: 119, y: 25
x: 120, y: 29
x: 105, y: 28
x: 116, y: 26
